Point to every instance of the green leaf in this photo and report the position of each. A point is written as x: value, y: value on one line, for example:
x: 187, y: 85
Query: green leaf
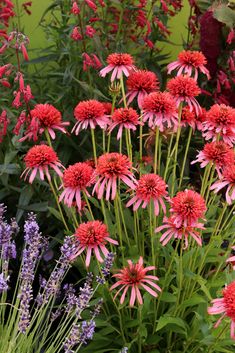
x: 225, y: 15
x: 25, y: 196
x: 12, y: 168
x: 194, y: 300
x: 170, y: 320
x: 35, y: 207
x: 55, y: 213
x: 168, y: 297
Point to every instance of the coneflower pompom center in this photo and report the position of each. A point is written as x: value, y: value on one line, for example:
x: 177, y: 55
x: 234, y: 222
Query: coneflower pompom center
x: 113, y: 165
x: 221, y: 115
x: 119, y: 59
x: 151, y: 186
x: 194, y: 58
x: 188, y: 203
x: 91, y: 109
x: 40, y: 156
x: 159, y: 102
x: 183, y: 86
x: 125, y: 115
x: 47, y: 114
x: 142, y: 80
x: 92, y: 233
x: 78, y: 176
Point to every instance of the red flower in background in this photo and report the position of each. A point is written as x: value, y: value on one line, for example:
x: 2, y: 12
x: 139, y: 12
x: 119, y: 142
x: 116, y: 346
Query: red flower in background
x: 120, y: 64
x: 135, y: 277
x: 38, y: 160
x: 225, y: 306
x: 227, y: 179
x: 44, y: 117
x: 89, y: 114
x: 184, y: 89
x: 187, y: 207
x: 150, y: 187
x: 171, y: 230
x: 112, y: 167
x: 139, y: 84
x: 124, y: 118
x: 189, y: 62
x: 159, y: 109
x: 76, y: 179
x: 220, y: 122
x: 93, y: 236
x: 219, y: 153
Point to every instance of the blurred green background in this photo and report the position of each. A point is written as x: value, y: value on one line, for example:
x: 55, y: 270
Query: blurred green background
x: 37, y: 37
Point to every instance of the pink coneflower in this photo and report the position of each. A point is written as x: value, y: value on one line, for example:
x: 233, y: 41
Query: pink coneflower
x: 189, y: 62
x: 181, y: 232
x: 188, y: 118
x: 227, y: 179
x: 134, y: 277
x: 107, y: 108
x: 45, y: 117
x: 231, y: 259
x: 124, y: 118
x: 76, y: 178
x: 120, y: 64
x: 38, y: 159
x: 220, y: 121
x: 187, y: 206
x: 219, y: 153
x: 89, y: 113
x: 149, y: 187
x: 93, y: 235
x: 139, y: 84
x: 112, y: 167
x: 225, y: 306
x: 159, y: 109
x: 184, y: 89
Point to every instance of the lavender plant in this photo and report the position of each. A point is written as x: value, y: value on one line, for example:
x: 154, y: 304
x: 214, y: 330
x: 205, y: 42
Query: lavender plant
x: 48, y: 319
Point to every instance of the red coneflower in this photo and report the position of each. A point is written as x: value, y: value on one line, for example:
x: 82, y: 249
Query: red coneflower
x: 38, y: 159
x: 44, y: 117
x: 149, y: 187
x: 89, y: 113
x: 189, y: 62
x: 188, y: 118
x: 134, y: 277
x: 126, y: 118
x: 112, y: 167
x: 139, y: 84
x: 76, y: 178
x: 93, y: 235
x: 220, y: 121
x: 184, y: 89
x: 187, y: 207
x: 218, y: 153
x: 227, y: 179
x: 225, y: 306
x: 159, y: 109
x: 119, y: 63
x: 171, y: 230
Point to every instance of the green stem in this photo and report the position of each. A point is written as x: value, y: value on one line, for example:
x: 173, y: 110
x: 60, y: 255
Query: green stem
x: 58, y: 204
x: 123, y: 91
x: 176, y: 151
x: 185, y: 156
x: 94, y: 145
x: 156, y: 150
